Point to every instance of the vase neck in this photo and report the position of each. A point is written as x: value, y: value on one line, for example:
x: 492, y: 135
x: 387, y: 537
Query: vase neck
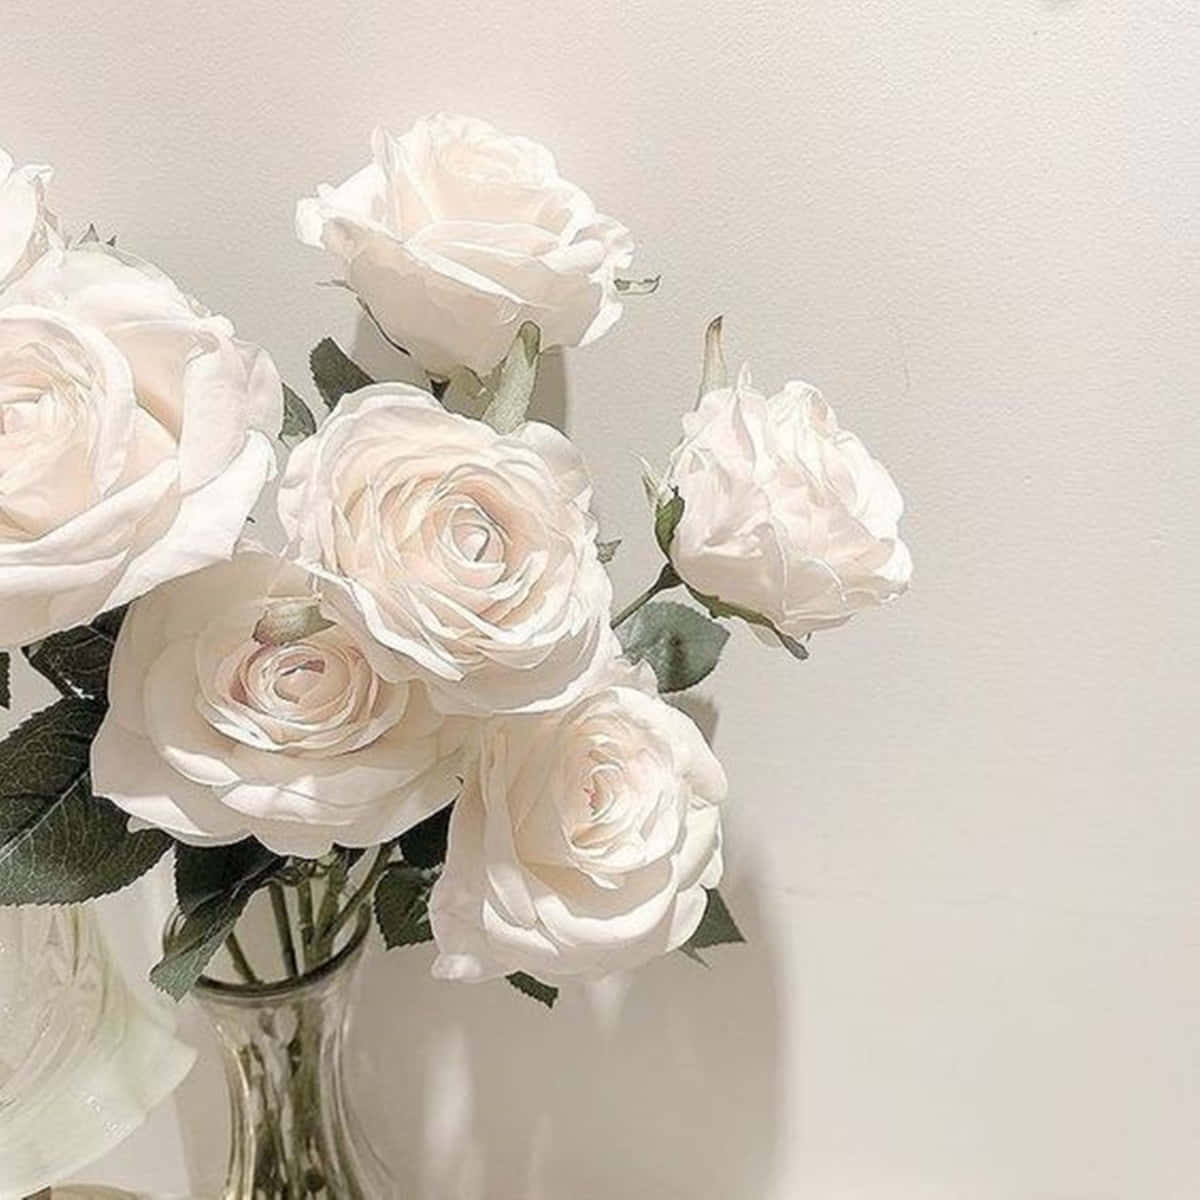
x: 292, y: 1136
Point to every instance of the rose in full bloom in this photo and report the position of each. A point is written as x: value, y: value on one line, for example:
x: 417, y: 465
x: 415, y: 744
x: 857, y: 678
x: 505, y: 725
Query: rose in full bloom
x: 27, y: 229
x: 786, y: 516
x: 213, y: 734
x: 583, y: 840
x: 465, y: 554
x: 135, y: 436
x: 455, y: 235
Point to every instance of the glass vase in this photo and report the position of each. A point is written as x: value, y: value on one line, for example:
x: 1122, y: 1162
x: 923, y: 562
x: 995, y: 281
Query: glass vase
x: 82, y: 1058
x: 293, y: 1134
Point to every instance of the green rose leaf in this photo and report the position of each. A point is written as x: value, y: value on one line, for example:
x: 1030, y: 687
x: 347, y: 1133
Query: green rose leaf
x: 59, y: 843
x: 719, y: 608
x: 76, y: 660
x: 298, y: 421
x: 193, y: 941
x: 402, y: 906
x: 682, y: 645
x: 290, y: 619
x: 667, y: 516
x: 637, y: 287
x: 512, y: 383
x: 213, y: 885
x: 717, y: 928
x: 335, y: 373
x: 5, y: 688
x: 207, y: 873
x: 424, y: 845
x: 535, y: 989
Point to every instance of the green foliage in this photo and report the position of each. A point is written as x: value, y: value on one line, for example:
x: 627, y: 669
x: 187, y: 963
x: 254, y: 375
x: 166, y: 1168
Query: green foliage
x: 424, y: 845
x: 637, y: 287
x: 402, y: 905
x: 290, y: 619
x: 718, y: 608
x: 5, y: 687
x: 213, y: 885
x: 681, y: 645
x: 717, y: 928
x: 535, y: 989
x: 715, y: 374
x: 298, y: 421
x: 335, y: 373
x: 206, y: 873
x: 76, y: 660
x: 59, y: 843
x: 667, y: 516
x: 511, y: 384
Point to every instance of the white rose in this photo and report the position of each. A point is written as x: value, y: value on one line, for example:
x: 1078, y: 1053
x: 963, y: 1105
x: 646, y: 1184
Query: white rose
x: 27, y: 230
x: 213, y: 735
x: 786, y: 516
x: 135, y: 436
x: 582, y: 843
x: 456, y: 234
x: 467, y: 555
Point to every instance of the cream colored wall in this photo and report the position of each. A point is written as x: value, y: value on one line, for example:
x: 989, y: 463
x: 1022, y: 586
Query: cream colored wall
x: 964, y: 838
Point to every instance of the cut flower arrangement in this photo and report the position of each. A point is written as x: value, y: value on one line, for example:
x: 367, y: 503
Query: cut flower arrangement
x: 419, y: 704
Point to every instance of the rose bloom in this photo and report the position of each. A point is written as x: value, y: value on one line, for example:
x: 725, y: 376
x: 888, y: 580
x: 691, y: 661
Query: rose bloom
x: 27, y: 229
x: 583, y: 841
x: 135, y: 436
x: 213, y: 735
x: 455, y: 234
x: 464, y: 554
x: 786, y: 516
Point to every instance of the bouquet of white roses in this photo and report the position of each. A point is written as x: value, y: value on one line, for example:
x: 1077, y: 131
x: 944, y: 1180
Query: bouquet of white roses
x: 419, y: 704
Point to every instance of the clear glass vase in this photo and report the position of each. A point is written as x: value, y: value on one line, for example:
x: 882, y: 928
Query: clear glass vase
x: 82, y: 1059
x: 293, y: 1135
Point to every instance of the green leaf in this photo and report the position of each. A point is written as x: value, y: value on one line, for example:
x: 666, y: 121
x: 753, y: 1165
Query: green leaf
x: 607, y: 551
x: 535, y: 989
x: 76, y: 660
x: 637, y: 287
x: 298, y: 421
x: 290, y: 619
x: 719, y: 608
x: 514, y: 381
x: 667, y: 516
x: 194, y: 940
x: 213, y: 885
x: 465, y: 393
x: 682, y: 645
x: 424, y: 845
x: 5, y: 687
x: 207, y: 873
x: 334, y: 373
x: 59, y: 843
x: 402, y: 906
x: 715, y: 374
x: 717, y: 928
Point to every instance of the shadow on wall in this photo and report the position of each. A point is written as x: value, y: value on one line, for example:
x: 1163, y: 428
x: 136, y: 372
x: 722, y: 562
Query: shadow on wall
x: 657, y: 1085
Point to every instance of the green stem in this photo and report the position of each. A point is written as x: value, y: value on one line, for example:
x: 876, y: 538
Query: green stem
x: 667, y: 578
x: 240, y: 961
x: 304, y: 895
x: 283, y: 927
x: 362, y: 893
x: 335, y: 881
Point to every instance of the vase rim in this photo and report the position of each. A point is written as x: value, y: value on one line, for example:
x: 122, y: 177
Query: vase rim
x: 249, y: 994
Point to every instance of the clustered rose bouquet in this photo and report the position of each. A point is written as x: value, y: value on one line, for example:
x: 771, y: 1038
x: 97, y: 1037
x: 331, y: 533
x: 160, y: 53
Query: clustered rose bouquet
x: 418, y: 703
